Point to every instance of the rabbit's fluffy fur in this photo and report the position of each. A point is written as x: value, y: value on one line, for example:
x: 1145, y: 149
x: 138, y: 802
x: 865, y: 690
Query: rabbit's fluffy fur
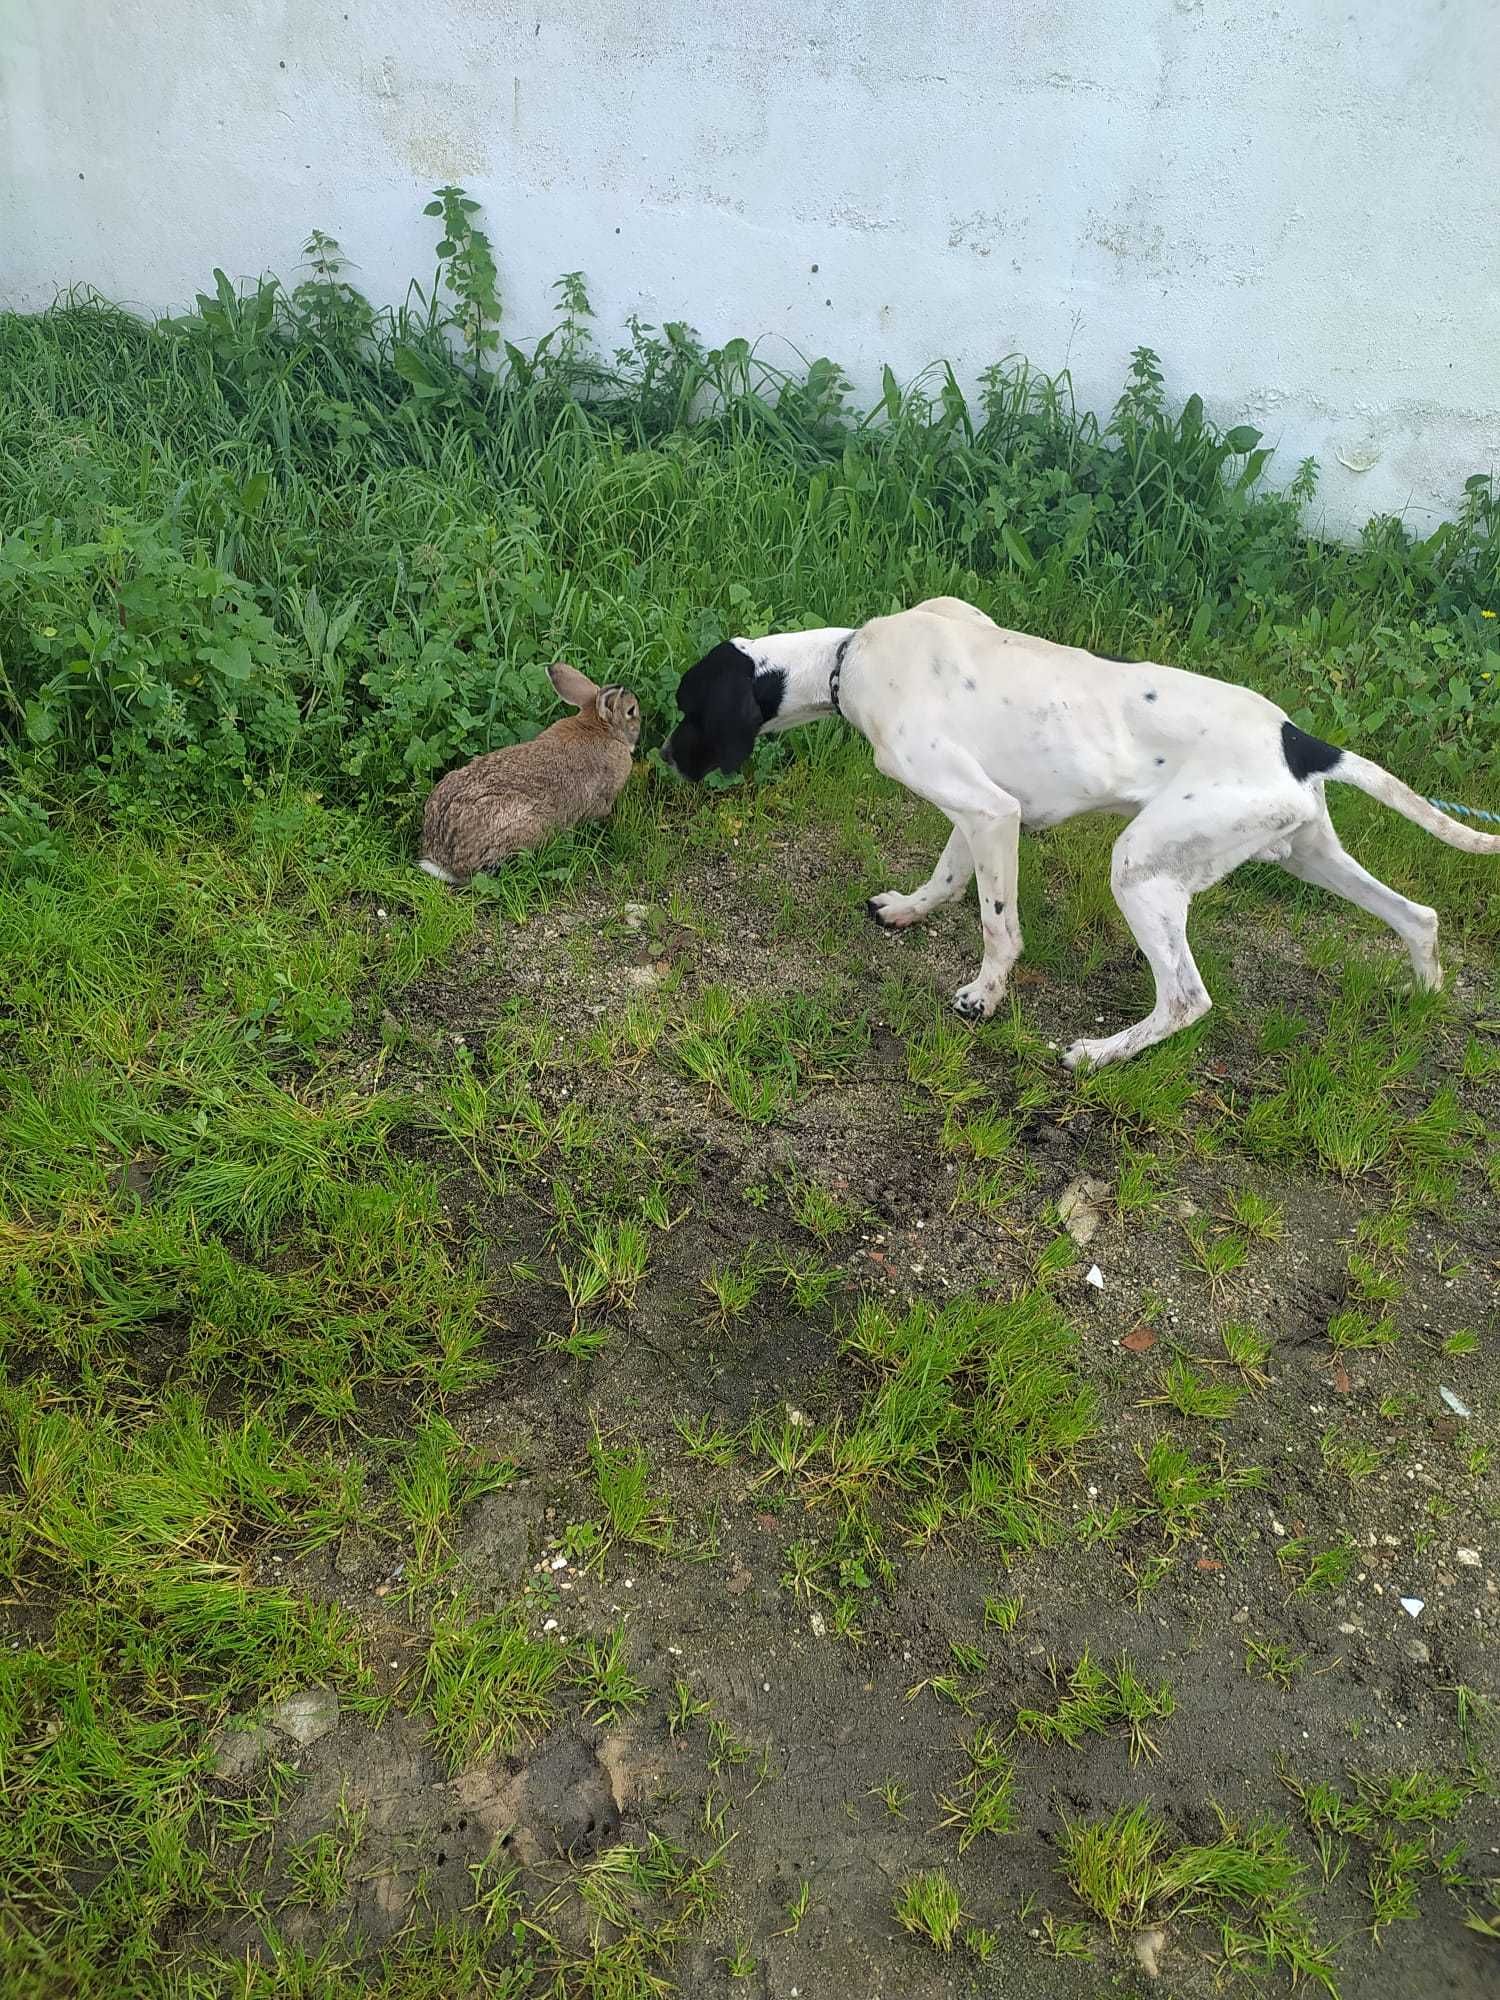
x: 513, y: 798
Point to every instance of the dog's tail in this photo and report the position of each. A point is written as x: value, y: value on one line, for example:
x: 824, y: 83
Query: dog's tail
x: 1379, y: 784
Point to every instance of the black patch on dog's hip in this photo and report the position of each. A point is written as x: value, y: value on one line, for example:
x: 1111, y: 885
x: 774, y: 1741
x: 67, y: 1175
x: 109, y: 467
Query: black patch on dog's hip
x: 1306, y: 756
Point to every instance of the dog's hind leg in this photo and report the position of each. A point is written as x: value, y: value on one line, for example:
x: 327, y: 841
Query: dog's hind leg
x: 1156, y: 911
x: 1316, y: 856
x: 946, y: 884
x: 995, y: 842
x: 1182, y: 842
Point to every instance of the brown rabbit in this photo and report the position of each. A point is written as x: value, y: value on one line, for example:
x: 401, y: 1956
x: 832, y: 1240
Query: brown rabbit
x: 513, y: 798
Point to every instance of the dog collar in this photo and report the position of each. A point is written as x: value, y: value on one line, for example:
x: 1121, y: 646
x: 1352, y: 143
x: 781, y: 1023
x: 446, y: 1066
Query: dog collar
x: 836, y: 676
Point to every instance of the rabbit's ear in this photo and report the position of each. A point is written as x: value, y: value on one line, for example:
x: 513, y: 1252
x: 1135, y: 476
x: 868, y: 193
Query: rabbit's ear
x: 573, y: 686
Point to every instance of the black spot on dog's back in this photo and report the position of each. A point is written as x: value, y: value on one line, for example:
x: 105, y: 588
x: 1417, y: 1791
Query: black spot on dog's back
x: 1306, y: 756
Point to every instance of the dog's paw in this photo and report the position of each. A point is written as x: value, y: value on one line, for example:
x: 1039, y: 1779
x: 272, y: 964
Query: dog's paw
x: 978, y: 1000
x: 1087, y: 1055
x: 893, y: 911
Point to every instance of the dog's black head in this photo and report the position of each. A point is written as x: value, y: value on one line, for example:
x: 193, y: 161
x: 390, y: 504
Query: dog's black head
x: 722, y: 713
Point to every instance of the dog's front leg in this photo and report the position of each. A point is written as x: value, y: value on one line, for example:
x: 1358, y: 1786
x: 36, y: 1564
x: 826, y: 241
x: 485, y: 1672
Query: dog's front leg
x: 988, y: 821
x: 946, y: 884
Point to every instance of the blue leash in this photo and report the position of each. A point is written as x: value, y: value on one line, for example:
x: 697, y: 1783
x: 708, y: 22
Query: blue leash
x: 1464, y: 812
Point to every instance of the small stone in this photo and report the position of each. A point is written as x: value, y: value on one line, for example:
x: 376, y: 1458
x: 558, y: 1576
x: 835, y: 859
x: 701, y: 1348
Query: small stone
x: 1455, y: 1404
x: 306, y: 1717
x: 634, y: 915
x: 1412, y: 1606
x: 819, y: 1625
x: 1078, y: 1209
x: 1095, y: 1277
x: 1148, y: 1949
x: 1469, y: 1558
x: 1418, y: 1650
x: 240, y: 1748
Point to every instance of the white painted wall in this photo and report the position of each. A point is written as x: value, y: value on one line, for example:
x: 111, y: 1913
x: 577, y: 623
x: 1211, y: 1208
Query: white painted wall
x: 1294, y: 201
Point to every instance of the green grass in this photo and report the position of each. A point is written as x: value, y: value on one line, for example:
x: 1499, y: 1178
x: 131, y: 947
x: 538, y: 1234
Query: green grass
x: 248, y: 1317
x: 488, y: 1682
x: 1272, y: 1660
x: 318, y: 1225
x: 433, y: 1479
x: 928, y: 1906
x: 969, y: 1409
x: 734, y: 1289
x: 1096, y: 1699
x: 1249, y: 1885
x: 293, y: 502
x: 603, y: 1673
x: 622, y: 1477
x: 984, y: 1801
x: 1394, y: 1820
x: 1193, y: 1395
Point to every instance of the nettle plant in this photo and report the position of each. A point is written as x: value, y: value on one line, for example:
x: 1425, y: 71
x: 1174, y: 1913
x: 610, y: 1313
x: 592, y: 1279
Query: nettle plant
x: 146, y: 654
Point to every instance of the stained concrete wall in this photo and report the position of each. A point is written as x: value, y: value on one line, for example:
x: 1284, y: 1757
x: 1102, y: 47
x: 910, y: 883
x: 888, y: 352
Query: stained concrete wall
x: 1294, y: 203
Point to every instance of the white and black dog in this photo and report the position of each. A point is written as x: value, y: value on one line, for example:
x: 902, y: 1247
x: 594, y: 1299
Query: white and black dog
x: 1002, y: 731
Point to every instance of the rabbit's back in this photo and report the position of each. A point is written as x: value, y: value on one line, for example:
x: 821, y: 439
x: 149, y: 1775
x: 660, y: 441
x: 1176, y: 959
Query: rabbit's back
x: 508, y: 800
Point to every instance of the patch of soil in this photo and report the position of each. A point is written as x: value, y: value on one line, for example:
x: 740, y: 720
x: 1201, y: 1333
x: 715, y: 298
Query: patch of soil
x: 825, y: 1724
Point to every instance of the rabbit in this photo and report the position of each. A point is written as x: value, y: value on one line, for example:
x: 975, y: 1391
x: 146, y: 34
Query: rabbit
x: 512, y: 799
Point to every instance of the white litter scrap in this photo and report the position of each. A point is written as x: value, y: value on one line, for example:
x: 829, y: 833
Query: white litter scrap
x: 1455, y: 1403
x: 1412, y: 1606
x: 1095, y: 1277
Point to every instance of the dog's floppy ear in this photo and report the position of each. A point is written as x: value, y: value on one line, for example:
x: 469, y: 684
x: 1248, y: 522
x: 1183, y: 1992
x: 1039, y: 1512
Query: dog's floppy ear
x: 731, y: 717
x: 573, y: 686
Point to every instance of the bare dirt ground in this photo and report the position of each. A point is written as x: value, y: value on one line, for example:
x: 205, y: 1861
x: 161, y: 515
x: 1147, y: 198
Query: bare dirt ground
x: 838, y: 1697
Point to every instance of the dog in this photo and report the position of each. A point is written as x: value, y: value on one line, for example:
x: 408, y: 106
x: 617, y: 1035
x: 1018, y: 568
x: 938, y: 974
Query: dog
x: 1004, y: 732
